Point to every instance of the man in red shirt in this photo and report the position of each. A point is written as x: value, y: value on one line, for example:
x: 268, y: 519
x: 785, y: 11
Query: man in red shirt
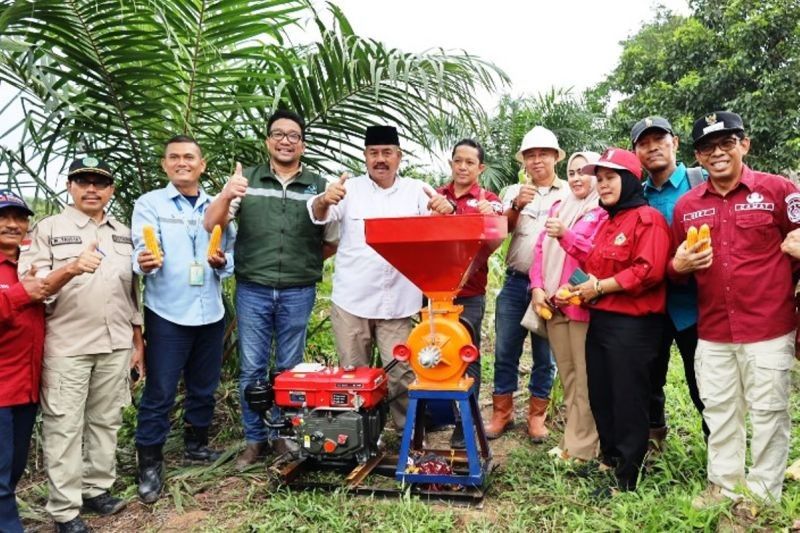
x: 746, y: 311
x: 468, y: 197
x: 21, y: 347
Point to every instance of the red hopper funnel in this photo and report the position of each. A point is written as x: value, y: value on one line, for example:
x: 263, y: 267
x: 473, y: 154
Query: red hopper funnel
x: 436, y: 253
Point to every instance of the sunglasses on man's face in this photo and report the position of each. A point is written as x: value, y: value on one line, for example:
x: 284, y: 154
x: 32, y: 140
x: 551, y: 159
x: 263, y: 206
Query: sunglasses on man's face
x: 84, y: 183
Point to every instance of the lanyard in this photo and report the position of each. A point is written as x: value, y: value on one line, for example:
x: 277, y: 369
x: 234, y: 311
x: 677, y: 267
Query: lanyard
x: 191, y: 225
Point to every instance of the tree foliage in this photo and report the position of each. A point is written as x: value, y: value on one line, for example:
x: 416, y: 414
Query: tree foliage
x: 738, y: 55
x: 116, y: 79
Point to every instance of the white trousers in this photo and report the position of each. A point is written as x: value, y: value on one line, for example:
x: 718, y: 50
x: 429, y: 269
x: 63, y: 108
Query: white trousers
x: 734, y: 379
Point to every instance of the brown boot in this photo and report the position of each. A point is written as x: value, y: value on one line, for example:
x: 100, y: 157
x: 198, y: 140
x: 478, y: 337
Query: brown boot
x: 502, y: 415
x: 252, y: 453
x: 537, y: 411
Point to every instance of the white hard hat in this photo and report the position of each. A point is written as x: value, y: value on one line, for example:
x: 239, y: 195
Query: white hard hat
x: 540, y: 137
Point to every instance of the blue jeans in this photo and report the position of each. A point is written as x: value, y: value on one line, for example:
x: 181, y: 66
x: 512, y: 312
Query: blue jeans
x: 267, y: 315
x: 174, y: 350
x: 16, y: 426
x: 511, y: 304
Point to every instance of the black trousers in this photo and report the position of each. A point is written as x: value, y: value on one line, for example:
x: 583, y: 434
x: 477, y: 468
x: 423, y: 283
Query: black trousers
x: 619, y: 352
x: 687, y: 344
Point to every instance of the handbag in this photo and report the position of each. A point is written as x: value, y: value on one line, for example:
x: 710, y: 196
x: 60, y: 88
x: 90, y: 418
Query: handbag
x: 533, y: 322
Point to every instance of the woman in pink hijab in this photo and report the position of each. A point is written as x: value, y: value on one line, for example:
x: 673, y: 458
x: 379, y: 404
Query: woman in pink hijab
x: 571, y: 226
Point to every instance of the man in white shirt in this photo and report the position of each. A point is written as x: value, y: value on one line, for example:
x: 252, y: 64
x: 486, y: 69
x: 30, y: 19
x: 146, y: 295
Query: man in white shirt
x: 372, y: 301
x: 527, y: 206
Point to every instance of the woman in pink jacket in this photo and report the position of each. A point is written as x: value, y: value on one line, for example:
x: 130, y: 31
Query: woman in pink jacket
x: 571, y: 227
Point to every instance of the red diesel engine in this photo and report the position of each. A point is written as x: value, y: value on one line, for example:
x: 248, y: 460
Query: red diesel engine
x: 334, y: 414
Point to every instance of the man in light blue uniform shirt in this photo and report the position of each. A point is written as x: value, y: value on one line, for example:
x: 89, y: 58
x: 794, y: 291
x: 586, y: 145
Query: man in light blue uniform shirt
x: 656, y: 146
x: 184, y: 314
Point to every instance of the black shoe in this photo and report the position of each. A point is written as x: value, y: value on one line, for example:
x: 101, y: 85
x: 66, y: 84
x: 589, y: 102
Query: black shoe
x: 151, y: 472
x: 104, y: 504
x: 457, y: 440
x: 196, y: 452
x: 151, y: 482
x: 76, y: 525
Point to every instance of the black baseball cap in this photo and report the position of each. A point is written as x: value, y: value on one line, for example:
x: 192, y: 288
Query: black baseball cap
x: 11, y: 199
x: 719, y: 121
x: 647, y: 124
x: 89, y: 165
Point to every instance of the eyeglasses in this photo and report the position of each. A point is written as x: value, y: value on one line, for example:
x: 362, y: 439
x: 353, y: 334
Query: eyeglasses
x: 292, y: 136
x: 84, y: 183
x: 709, y: 147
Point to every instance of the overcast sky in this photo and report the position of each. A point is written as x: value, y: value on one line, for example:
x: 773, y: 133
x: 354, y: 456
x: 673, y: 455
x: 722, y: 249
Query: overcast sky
x: 539, y: 44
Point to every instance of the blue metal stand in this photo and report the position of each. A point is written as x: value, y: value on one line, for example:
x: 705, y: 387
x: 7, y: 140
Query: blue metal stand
x: 478, y: 465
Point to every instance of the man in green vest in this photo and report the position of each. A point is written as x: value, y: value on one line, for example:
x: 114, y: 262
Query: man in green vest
x: 278, y: 257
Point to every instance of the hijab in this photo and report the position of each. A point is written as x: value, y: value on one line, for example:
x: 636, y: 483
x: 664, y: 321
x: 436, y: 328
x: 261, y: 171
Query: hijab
x: 631, y: 194
x: 569, y: 211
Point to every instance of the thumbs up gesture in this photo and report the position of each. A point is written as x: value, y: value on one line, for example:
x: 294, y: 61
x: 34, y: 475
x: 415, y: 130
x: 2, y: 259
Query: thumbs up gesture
x: 554, y: 226
x: 88, y: 261
x: 438, y: 204
x: 236, y: 186
x: 336, y: 190
x: 35, y: 287
x: 484, y: 207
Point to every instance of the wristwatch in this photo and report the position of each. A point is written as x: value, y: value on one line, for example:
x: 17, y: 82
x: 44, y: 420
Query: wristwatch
x: 514, y: 205
x: 597, y: 288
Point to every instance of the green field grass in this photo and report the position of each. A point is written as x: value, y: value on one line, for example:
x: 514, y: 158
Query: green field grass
x: 529, y: 490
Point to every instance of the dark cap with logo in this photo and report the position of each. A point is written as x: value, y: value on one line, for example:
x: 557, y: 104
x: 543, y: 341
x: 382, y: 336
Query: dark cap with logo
x: 647, y: 124
x: 381, y: 135
x: 10, y: 199
x: 89, y: 165
x: 719, y: 121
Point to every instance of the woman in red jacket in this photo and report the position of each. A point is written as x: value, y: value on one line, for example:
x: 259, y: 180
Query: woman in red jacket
x: 21, y: 349
x: 626, y: 298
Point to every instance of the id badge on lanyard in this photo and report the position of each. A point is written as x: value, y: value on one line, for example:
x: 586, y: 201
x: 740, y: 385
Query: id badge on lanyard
x: 196, y: 274
x: 196, y: 269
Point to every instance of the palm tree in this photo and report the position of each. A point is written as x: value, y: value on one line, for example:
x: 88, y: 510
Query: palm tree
x: 116, y: 79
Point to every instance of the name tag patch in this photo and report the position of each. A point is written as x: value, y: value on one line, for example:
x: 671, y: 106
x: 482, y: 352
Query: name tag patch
x: 754, y: 207
x: 122, y: 239
x: 65, y: 239
x: 694, y: 215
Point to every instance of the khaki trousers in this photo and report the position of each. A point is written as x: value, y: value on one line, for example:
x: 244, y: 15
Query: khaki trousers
x: 354, y: 337
x: 568, y: 342
x: 734, y: 379
x: 82, y: 400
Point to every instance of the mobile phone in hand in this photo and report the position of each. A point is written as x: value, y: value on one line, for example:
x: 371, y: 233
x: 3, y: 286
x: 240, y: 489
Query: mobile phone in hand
x: 577, y: 277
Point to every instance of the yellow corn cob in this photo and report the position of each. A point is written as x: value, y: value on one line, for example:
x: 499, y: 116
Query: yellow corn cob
x: 691, y: 237
x: 545, y: 312
x: 704, y: 233
x: 573, y: 299
x: 150, y: 241
x: 214, y: 241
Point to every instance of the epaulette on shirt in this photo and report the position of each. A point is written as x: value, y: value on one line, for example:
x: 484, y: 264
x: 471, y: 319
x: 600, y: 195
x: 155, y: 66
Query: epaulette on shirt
x: 37, y: 222
x: 646, y: 216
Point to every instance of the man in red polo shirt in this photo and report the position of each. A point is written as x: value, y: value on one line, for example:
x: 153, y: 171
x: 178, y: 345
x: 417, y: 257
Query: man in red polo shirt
x: 746, y: 311
x: 468, y: 197
x: 21, y: 348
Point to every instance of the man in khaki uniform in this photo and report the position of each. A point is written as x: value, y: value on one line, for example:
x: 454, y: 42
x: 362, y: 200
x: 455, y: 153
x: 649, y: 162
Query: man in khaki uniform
x: 93, y: 338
